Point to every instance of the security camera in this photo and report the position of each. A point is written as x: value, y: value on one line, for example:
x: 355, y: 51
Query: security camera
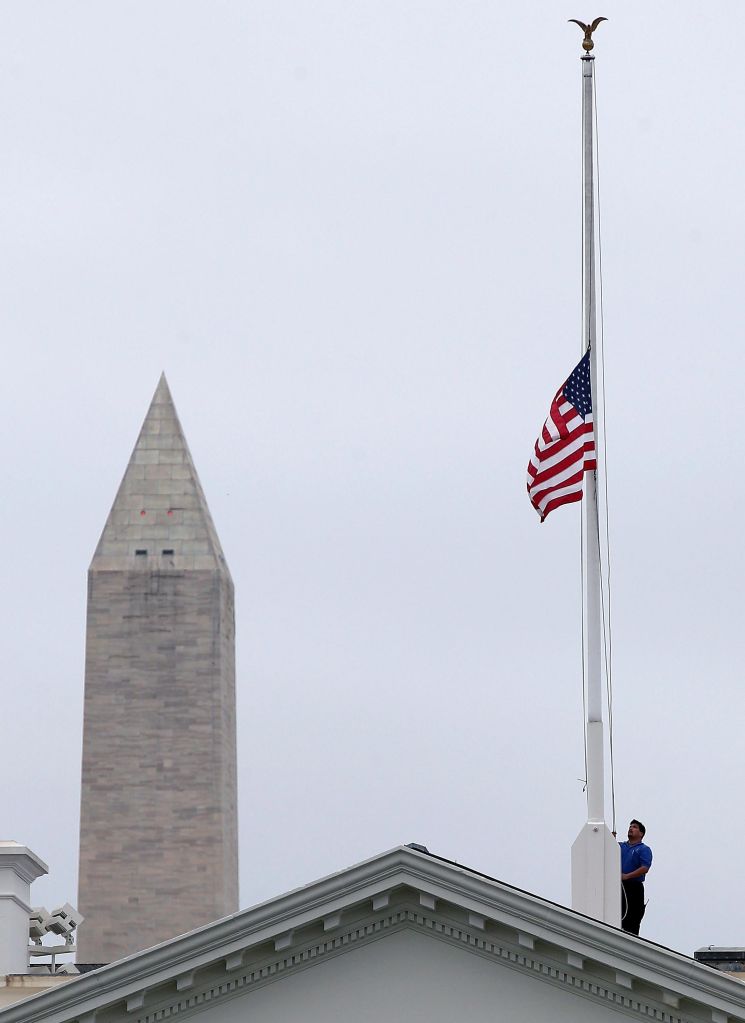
x: 38, y: 923
x: 64, y: 920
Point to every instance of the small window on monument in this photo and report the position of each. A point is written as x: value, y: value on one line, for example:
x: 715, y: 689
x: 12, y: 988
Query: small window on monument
x: 168, y: 550
x: 141, y: 552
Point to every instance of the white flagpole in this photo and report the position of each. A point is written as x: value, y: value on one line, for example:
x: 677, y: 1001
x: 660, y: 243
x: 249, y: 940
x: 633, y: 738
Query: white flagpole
x: 596, y: 868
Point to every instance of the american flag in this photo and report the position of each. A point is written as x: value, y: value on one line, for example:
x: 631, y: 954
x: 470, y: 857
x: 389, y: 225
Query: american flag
x: 565, y: 449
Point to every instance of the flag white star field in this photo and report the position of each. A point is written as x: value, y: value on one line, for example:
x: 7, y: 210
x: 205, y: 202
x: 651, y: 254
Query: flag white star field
x: 565, y: 449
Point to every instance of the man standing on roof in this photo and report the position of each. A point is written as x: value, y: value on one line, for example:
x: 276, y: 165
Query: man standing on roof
x: 636, y: 859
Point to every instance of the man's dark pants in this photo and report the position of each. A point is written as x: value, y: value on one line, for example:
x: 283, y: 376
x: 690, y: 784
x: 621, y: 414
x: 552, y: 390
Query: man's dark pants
x: 632, y: 905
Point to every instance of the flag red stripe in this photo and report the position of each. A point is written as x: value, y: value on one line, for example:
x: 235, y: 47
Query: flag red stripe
x: 566, y: 499
x: 553, y: 470
x: 555, y: 445
x: 575, y: 479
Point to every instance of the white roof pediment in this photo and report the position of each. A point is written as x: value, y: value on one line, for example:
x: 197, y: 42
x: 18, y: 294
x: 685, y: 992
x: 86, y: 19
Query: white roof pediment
x: 417, y: 925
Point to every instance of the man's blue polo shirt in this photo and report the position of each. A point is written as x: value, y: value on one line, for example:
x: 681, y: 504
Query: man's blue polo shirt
x: 635, y: 856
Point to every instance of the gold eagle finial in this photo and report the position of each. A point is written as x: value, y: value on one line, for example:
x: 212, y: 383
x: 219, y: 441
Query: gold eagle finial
x: 587, y: 43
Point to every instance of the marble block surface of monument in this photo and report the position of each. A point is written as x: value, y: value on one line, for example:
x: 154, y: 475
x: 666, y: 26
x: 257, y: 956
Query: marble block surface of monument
x: 158, y: 828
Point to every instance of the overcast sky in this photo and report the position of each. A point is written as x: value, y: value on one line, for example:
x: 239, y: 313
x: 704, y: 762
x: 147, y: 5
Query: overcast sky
x: 350, y: 235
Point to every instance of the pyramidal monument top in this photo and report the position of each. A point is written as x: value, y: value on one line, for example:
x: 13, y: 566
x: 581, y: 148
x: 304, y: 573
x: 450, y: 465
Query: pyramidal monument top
x: 160, y: 515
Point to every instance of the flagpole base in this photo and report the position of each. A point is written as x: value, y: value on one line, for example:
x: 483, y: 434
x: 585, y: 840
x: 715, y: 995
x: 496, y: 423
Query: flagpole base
x: 596, y: 874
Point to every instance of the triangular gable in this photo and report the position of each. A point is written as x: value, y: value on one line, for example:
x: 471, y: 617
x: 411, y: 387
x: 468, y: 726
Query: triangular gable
x: 407, y: 924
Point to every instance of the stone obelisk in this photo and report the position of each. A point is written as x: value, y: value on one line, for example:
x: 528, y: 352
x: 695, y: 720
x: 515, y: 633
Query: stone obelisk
x: 158, y: 826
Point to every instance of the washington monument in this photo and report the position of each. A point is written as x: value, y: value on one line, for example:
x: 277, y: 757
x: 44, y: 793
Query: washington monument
x: 158, y: 825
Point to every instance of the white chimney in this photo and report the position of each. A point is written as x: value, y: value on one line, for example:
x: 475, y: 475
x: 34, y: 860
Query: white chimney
x: 18, y: 868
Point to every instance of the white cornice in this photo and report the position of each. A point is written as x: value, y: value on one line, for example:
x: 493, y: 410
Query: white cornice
x: 25, y: 863
x: 11, y: 897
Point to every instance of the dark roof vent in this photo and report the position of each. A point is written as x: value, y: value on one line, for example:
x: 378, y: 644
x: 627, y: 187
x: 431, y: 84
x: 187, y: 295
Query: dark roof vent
x: 726, y: 959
